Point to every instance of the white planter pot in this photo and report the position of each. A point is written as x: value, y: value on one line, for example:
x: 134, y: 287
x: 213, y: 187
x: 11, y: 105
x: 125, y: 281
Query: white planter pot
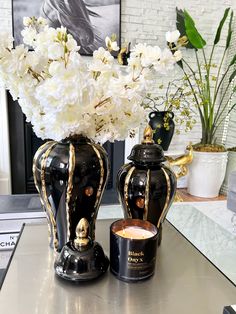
x: 231, y: 166
x: 206, y: 173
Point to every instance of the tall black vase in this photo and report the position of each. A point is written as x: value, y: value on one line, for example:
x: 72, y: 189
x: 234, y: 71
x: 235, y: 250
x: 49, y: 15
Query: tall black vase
x: 70, y: 177
x: 163, y: 126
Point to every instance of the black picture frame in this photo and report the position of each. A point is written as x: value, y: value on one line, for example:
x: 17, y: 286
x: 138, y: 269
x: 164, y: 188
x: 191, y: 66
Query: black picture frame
x: 103, y: 20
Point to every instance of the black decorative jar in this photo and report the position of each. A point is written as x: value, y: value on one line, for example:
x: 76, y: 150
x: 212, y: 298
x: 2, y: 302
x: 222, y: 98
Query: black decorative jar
x: 146, y: 187
x: 163, y: 126
x: 70, y: 177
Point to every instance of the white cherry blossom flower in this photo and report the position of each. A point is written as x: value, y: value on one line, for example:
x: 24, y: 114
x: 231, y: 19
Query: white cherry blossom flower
x: 111, y: 45
x: 178, y: 55
x: 27, y: 21
x: 172, y: 37
x: 62, y: 94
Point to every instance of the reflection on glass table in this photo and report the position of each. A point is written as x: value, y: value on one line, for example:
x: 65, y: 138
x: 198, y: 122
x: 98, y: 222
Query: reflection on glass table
x: 208, y: 226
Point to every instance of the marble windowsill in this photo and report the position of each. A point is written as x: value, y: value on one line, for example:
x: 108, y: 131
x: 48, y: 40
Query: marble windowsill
x: 208, y: 227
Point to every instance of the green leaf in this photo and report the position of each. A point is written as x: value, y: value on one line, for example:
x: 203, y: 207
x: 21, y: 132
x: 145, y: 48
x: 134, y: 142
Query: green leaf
x: 181, y: 26
x: 192, y: 33
x: 232, y: 76
x: 228, y: 40
x: 233, y: 60
x: 218, y: 33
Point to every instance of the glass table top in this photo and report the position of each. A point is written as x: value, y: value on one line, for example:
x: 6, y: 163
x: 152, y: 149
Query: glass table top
x: 209, y: 228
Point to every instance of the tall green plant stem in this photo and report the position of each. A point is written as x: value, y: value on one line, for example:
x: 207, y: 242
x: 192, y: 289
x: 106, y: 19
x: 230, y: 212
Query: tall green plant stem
x: 203, y: 122
x: 217, y: 77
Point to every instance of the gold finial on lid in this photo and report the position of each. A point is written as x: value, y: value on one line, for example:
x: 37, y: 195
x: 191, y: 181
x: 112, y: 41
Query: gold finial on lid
x: 82, y: 232
x: 147, y: 135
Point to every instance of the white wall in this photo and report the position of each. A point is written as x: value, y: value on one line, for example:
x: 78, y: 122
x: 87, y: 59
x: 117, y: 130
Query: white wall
x: 149, y: 20
x: 143, y: 21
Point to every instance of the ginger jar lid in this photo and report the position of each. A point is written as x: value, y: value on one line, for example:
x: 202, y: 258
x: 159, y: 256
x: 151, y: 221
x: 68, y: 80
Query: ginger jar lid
x: 148, y: 152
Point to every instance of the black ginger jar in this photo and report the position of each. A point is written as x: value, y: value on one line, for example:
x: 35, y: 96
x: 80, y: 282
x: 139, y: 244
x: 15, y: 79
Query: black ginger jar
x: 146, y: 187
x: 70, y: 177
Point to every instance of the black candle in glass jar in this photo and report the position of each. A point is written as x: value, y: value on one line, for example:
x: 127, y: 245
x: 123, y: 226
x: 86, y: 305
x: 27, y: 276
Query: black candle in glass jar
x: 133, y: 245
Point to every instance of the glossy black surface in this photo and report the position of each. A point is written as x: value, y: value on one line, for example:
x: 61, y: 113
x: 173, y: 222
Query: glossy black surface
x: 84, y: 265
x: 158, y: 189
x: 87, y: 173
x: 147, y: 154
x: 156, y: 121
x: 146, y: 187
x: 132, y: 260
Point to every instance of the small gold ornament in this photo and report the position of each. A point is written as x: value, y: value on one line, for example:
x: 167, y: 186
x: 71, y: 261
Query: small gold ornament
x: 147, y: 135
x: 82, y: 232
x: 182, y: 162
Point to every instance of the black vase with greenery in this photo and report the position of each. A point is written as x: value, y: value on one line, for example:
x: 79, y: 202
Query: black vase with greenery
x: 163, y: 126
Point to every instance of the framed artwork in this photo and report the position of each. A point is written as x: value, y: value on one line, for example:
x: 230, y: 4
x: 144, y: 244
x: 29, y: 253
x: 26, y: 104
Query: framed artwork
x: 89, y: 21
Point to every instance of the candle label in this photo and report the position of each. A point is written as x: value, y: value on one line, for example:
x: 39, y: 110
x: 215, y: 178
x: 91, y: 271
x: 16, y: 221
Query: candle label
x: 135, y: 257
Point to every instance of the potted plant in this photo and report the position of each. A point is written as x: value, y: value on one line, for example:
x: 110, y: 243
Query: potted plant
x: 212, y: 87
x: 170, y: 112
x: 231, y: 166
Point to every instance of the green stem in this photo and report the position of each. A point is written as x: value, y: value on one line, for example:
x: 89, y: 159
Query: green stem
x: 194, y: 75
x: 217, y: 77
x: 195, y: 97
x: 221, y: 101
x: 222, y: 111
x: 207, y: 76
x: 221, y: 81
x: 198, y: 65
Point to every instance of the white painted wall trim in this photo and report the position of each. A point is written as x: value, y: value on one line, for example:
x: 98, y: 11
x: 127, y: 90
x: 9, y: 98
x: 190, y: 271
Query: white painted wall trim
x: 5, y: 165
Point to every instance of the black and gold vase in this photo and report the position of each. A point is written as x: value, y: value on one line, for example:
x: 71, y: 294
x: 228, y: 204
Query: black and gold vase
x: 70, y: 177
x: 146, y: 187
x: 163, y: 125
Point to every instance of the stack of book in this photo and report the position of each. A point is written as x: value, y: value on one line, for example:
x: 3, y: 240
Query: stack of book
x: 15, y: 210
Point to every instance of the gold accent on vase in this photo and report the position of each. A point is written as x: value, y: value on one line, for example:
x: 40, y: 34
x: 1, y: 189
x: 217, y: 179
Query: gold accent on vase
x: 145, y: 212
x: 126, y: 185
x: 71, y: 168
x: 82, y: 233
x: 163, y: 214
x: 40, y: 149
x: 100, y: 188
x: 147, y: 135
x: 34, y: 163
x: 44, y: 195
